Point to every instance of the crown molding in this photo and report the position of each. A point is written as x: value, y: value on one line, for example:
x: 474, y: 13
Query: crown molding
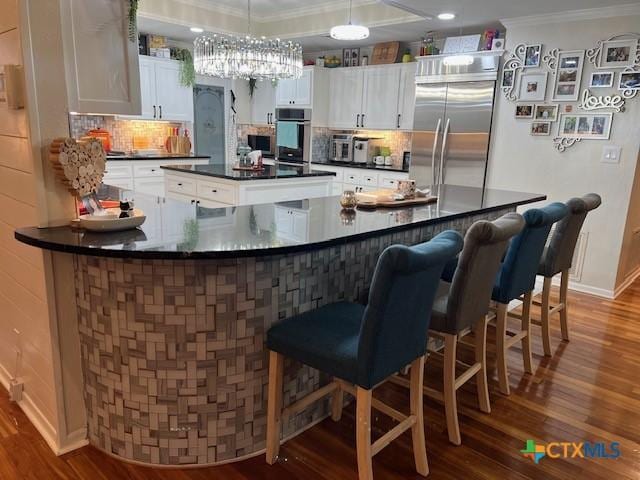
x: 311, y: 9
x: 573, y: 16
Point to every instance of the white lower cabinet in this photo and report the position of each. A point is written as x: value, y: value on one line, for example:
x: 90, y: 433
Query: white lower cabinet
x: 214, y: 192
x: 144, y: 176
x: 361, y: 179
x: 292, y: 223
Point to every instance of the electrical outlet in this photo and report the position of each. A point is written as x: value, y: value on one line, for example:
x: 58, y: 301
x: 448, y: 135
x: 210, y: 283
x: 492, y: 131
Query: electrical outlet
x: 611, y: 154
x: 15, y: 390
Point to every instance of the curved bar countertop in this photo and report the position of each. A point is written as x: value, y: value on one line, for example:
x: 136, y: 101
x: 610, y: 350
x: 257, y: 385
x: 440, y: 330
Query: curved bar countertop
x: 172, y: 317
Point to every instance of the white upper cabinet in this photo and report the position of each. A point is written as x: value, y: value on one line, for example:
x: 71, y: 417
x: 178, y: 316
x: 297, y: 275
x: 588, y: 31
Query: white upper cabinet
x: 380, y: 97
x: 174, y: 101
x: 162, y: 95
x: 298, y: 92
x: 147, y: 86
x: 380, y: 100
x: 347, y: 85
x: 98, y: 30
x: 263, y: 103
x: 407, y: 97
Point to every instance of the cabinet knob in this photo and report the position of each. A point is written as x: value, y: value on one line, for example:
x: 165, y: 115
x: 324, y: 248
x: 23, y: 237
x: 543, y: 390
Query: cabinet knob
x: 153, y: 169
x: 179, y: 184
x: 197, y: 202
x: 154, y: 111
x: 160, y: 108
x: 192, y: 202
x: 214, y: 191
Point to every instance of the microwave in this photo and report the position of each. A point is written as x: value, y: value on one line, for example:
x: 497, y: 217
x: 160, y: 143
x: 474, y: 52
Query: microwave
x: 261, y: 142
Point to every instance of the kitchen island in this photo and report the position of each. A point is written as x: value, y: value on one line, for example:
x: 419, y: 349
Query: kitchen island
x: 220, y: 185
x: 172, y: 331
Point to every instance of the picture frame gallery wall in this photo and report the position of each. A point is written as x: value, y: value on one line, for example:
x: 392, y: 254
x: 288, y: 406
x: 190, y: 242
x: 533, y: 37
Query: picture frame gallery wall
x: 554, y: 90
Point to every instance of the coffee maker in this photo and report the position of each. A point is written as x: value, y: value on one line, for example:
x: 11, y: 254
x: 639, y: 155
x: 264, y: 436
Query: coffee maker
x: 360, y: 150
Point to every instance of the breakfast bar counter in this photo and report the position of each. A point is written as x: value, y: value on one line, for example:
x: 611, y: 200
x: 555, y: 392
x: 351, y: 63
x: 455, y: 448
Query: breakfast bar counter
x: 172, y: 317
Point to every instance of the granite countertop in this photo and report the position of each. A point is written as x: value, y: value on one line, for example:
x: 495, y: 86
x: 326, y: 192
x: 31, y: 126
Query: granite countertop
x: 178, y: 230
x: 368, y: 166
x: 270, y: 172
x: 159, y: 156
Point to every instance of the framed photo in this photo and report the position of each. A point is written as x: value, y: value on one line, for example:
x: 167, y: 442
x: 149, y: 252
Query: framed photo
x: 629, y: 81
x: 540, y: 129
x: 524, y: 111
x: 593, y: 126
x: 533, y: 87
x: 618, y: 53
x: 601, y: 79
x: 532, y: 56
x: 508, y: 77
x: 568, y: 76
x: 355, y: 57
x: 546, y: 113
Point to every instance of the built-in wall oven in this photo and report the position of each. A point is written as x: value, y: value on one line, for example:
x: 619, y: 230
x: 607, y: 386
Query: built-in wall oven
x: 293, y: 135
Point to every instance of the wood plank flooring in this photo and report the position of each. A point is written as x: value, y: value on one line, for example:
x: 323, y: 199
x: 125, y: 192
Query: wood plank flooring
x: 589, y: 390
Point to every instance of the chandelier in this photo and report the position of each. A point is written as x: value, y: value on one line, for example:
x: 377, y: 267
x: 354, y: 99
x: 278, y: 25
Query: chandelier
x: 247, y: 57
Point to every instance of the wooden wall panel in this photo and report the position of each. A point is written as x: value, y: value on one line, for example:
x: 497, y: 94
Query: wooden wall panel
x: 18, y: 185
x: 16, y: 153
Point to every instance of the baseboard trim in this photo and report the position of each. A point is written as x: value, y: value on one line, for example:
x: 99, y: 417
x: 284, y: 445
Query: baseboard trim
x: 33, y: 413
x: 74, y: 441
x: 578, y: 287
x: 627, y: 282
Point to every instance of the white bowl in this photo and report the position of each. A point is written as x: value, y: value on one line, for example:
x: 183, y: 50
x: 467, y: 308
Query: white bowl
x: 111, y: 222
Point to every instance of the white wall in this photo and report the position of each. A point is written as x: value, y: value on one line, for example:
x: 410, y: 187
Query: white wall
x: 23, y: 293
x: 520, y: 161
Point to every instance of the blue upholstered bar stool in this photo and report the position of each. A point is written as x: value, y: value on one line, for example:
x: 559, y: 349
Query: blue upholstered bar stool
x: 516, y: 278
x: 462, y: 306
x: 361, y: 346
x: 557, y: 258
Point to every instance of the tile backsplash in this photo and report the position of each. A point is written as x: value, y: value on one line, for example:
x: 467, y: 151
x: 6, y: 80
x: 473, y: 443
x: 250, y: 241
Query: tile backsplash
x: 123, y: 131
x: 397, y: 141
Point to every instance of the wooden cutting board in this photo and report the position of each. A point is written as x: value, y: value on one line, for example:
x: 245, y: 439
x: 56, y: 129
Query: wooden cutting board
x: 398, y: 203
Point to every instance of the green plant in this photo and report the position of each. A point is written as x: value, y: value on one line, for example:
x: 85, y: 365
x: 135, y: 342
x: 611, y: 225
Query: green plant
x: 133, y: 19
x: 253, y: 84
x: 191, y: 234
x: 187, y: 70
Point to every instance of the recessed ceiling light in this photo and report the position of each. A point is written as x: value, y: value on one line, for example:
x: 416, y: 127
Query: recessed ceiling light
x: 447, y: 16
x: 196, y: 29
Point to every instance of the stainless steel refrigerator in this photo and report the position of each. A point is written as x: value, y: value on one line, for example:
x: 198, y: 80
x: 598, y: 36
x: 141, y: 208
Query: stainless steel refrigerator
x: 452, y: 120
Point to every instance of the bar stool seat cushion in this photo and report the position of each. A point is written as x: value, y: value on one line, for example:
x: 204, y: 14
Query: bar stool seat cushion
x: 325, y: 338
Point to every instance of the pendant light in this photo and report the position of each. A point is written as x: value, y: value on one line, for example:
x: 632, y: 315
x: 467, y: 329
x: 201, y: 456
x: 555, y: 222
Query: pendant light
x: 349, y: 31
x: 247, y: 57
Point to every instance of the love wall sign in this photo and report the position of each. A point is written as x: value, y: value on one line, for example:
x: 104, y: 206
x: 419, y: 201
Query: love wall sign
x: 79, y: 165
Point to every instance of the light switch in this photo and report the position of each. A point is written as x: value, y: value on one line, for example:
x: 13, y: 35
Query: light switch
x: 611, y: 154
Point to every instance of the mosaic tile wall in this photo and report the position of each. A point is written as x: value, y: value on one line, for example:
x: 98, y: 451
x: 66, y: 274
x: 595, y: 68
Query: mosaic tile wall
x: 173, y: 355
x: 123, y: 131
x: 397, y: 141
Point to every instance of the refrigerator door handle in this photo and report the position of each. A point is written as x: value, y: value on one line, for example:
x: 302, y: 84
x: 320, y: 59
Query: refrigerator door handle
x: 445, y: 137
x: 433, y: 153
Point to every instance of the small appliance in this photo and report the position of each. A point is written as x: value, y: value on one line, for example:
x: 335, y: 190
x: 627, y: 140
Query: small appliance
x: 342, y: 147
x: 264, y: 143
x: 361, y: 150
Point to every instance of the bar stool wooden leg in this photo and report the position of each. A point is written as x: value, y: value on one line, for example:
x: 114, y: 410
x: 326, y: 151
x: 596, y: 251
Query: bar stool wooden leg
x: 450, y: 402
x: 526, y: 326
x: 564, y: 286
x: 363, y: 434
x: 274, y: 406
x: 337, y: 401
x: 417, y: 430
x: 501, y: 348
x: 544, y: 316
x: 481, y: 358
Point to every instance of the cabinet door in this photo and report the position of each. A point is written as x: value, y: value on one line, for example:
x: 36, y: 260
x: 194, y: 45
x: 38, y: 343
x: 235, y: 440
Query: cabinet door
x: 148, y: 88
x: 286, y: 92
x: 263, y: 103
x: 150, y: 186
x: 99, y: 29
x: 380, y: 105
x: 346, y: 97
x: 303, y: 89
x: 300, y: 230
x: 175, y: 102
x: 407, y: 98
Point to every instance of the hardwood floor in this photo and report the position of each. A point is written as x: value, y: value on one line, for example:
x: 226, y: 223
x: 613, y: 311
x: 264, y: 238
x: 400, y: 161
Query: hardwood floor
x: 589, y: 390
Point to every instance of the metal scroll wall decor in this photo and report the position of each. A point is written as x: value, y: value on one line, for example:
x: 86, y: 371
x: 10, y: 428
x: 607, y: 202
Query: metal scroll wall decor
x: 615, y: 66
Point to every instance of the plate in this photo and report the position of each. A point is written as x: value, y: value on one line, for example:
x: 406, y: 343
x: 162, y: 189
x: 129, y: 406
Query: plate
x: 111, y: 222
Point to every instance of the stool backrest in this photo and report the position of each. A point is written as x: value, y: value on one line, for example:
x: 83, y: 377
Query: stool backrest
x: 473, y: 280
x: 559, y: 253
x: 519, y: 267
x: 396, y: 320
